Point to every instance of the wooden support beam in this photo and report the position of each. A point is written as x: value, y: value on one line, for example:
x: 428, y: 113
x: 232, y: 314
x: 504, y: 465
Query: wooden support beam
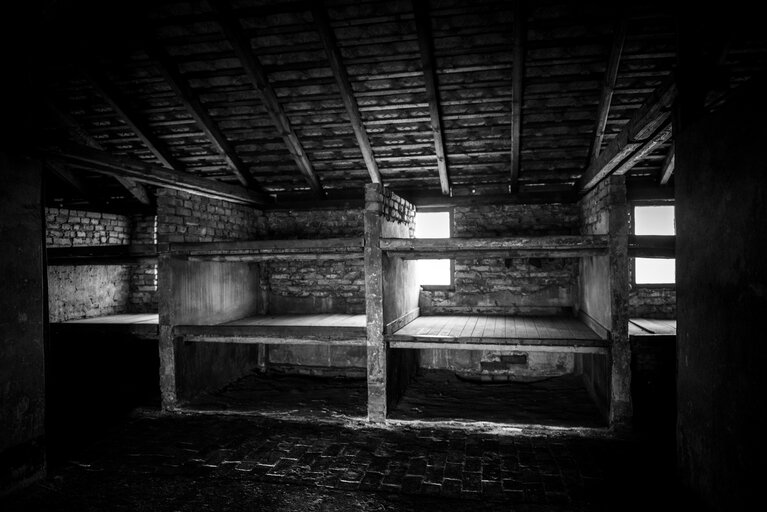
x: 608, y: 87
x: 119, y: 104
x: 344, y: 85
x: 102, y: 255
x: 648, y: 124
x: 78, y: 132
x: 668, y: 166
x: 517, y: 79
x: 170, y: 72
x: 652, y: 246
x: 256, y: 73
x: 73, y: 179
x: 138, y: 170
x: 425, y: 44
x: 645, y: 149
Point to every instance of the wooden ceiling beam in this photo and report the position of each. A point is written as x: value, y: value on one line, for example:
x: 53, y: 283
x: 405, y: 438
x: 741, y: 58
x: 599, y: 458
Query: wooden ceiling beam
x: 138, y: 170
x: 255, y: 71
x: 344, y: 85
x: 608, y: 87
x: 425, y: 44
x: 668, y: 166
x: 648, y: 128
x: 136, y: 189
x: 191, y: 102
x: 517, y: 79
x: 119, y: 104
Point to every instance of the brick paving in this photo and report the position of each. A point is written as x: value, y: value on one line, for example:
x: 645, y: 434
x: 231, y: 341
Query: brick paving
x: 164, y: 463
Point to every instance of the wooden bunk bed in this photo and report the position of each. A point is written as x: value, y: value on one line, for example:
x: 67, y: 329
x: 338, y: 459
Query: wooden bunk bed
x: 275, y: 328
x: 499, y: 332
x: 139, y: 325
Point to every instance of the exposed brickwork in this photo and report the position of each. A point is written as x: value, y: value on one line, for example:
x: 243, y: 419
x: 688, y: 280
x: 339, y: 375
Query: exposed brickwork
x: 72, y: 228
x: 498, y: 286
x: 86, y: 291
x: 143, y: 280
x: 594, y: 210
x: 652, y: 302
x: 515, y: 220
x: 397, y: 209
x: 315, y: 223
x: 339, y: 285
x: 183, y: 217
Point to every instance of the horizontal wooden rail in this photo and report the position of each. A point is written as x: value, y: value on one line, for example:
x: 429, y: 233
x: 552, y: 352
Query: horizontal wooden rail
x: 565, y: 246
x: 102, y: 255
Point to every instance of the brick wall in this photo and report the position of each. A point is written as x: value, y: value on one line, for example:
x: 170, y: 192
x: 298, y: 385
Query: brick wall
x: 508, y: 286
x: 397, y: 209
x: 85, y: 291
x: 594, y: 210
x: 72, y: 228
x: 652, y: 302
x: 321, y: 286
x: 289, y: 224
x: 183, y: 217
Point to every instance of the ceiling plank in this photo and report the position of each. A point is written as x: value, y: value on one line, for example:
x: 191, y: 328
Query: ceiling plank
x: 138, y: 170
x: 255, y: 71
x: 647, y: 123
x: 136, y: 189
x: 425, y: 44
x: 170, y: 72
x: 344, y: 84
x: 517, y: 78
x: 608, y: 87
x: 119, y: 104
x: 668, y: 166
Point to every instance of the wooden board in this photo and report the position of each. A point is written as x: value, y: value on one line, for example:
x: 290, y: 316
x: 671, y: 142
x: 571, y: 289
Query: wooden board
x: 143, y: 318
x: 334, y: 329
x: 652, y: 327
x: 497, y: 332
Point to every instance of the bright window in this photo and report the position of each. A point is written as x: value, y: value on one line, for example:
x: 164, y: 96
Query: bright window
x: 433, y: 225
x: 654, y: 220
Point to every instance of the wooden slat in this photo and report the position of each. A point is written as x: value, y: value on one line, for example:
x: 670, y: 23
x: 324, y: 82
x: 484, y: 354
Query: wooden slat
x: 138, y: 170
x: 517, y: 81
x: 344, y: 85
x: 552, y: 246
x: 667, y: 170
x: 423, y: 27
x: 169, y: 70
x: 648, y: 121
x: 608, y: 87
x: 102, y: 255
x: 318, y: 247
x: 256, y: 73
x: 274, y: 334
x: 652, y: 246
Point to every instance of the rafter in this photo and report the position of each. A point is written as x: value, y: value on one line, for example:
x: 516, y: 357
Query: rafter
x: 608, y: 87
x: 119, y: 104
x: 518, y: 74
x: 73, y: 127
x: 668, y: 166
x: 76, y: 156
x: 194, y: 106
x: 649, y: 127
x: 423, y: 26
x: 257, y: 75
x: 344, y: 85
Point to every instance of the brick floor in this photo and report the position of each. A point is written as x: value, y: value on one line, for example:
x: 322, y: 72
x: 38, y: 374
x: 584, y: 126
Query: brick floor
x: 165, y: 463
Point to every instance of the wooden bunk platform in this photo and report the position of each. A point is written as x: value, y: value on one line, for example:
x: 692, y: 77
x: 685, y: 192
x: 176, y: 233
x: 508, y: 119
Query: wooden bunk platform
x: 270, y: 250
x: 488, y: 332
x: 141, y: 325
x: 640, y: 327
x: 319, y: 329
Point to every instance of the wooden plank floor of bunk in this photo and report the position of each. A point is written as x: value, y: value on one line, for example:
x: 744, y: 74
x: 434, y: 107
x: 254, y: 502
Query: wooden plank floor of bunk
x: 650, y: 327
x: 497, y: 332
x: 140, y: 325
x: 317, y: 329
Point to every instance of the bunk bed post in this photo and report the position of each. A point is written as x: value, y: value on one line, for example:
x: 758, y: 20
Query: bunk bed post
x: 376, y: 349
x: 620, y: 367
x: 166, y: 343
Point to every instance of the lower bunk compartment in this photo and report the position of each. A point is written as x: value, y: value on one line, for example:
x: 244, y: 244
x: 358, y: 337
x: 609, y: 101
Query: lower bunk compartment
x: 512, y: 370
x: 276, y: 365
